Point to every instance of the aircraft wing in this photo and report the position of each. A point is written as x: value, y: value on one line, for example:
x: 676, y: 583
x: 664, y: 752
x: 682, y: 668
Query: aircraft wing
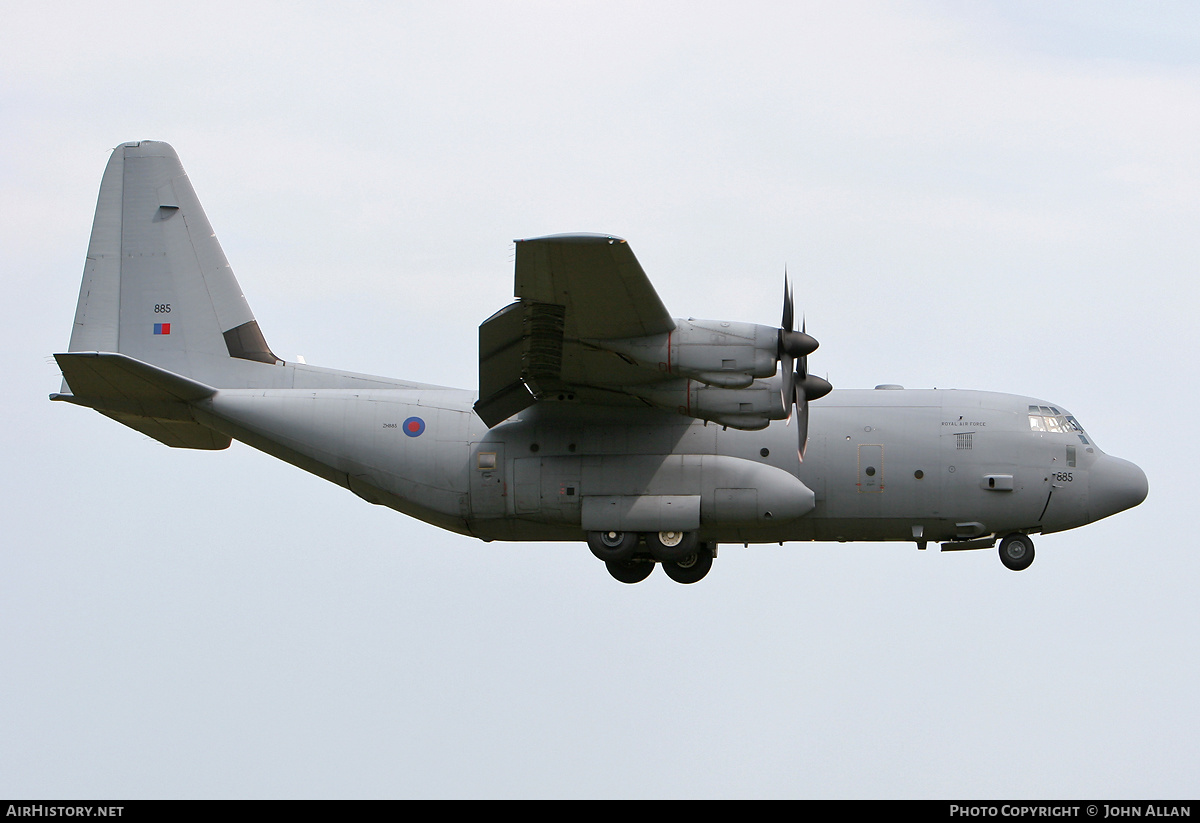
x: 571, y: 289
x: 597, y: 279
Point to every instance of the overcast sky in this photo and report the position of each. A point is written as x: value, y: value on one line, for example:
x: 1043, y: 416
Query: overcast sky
x: 982, y: 195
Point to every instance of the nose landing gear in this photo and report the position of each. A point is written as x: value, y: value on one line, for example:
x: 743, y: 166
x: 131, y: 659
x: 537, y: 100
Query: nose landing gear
x: 1016, y: 552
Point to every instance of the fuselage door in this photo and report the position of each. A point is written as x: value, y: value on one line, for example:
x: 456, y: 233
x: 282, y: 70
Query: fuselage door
x: 527, y: 485
x: 488, y: 484
x: 870, y: 468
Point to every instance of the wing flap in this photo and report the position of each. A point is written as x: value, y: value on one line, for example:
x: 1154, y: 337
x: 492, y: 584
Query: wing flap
x: 520, y: 356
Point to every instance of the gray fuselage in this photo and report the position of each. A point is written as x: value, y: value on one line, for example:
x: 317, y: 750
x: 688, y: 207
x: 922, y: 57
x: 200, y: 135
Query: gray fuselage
x: 913, y: 465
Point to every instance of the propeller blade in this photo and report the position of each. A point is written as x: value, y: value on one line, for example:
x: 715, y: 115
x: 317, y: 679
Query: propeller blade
x: 784, y: 354
x: 789, y: 309
x: 801, y: 406
x: 788, y: 390
x: 802, y: 431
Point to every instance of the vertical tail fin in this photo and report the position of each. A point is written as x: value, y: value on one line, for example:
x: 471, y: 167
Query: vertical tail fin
x: 156, y: 285
x: 161, y: 324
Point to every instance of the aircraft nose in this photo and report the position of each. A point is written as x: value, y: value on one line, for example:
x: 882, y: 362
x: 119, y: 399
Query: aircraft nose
x: 1114, y: 485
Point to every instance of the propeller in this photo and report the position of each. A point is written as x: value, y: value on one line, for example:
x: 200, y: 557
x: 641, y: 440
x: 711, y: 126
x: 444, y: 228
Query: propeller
x: 799, y: 386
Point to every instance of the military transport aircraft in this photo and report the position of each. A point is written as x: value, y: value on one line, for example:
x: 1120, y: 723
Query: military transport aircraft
x: 599, y: 417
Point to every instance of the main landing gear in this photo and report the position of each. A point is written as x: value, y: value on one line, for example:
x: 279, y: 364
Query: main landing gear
x: 630, y: 556
x: 1016, y: 551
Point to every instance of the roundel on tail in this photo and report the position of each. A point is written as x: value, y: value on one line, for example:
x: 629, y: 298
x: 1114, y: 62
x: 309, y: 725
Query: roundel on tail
x: 414, y: 427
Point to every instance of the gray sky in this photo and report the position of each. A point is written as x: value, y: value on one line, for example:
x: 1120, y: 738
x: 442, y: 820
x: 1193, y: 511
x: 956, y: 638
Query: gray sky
x: 988, y: 195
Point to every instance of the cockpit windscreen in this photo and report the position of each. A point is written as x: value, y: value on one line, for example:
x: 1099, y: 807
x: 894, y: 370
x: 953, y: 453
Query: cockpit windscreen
x: 1052, y: 419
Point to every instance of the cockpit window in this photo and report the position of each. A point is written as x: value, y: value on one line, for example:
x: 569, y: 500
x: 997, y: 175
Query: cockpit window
x: 1052, y: 419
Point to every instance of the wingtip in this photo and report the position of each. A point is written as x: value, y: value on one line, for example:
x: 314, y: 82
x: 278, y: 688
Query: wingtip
x: 577, y: 238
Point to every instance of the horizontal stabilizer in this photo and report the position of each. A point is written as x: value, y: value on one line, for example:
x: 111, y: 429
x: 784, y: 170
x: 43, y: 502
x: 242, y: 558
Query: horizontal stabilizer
x: 174, y: 433
x: 144, y: 397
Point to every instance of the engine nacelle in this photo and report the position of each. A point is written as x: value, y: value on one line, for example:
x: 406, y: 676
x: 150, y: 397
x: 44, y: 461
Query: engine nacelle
x: 715, y: 352
x: 750, y: 408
